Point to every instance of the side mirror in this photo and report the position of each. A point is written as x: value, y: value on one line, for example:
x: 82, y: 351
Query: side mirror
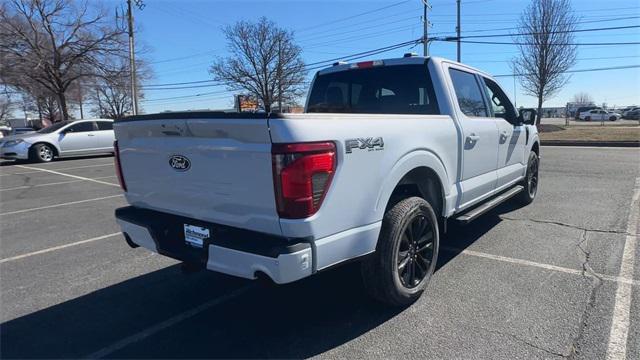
x: 528, y: 116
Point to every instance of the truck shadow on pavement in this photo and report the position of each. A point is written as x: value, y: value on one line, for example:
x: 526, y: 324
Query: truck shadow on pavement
x: 298, y: 320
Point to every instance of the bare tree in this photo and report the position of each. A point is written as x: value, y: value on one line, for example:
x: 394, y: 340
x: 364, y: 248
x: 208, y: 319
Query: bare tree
x: 54, y: 43
x: 582, y: 98
x: 6, y: 108
x: 264, y: 61
x: 546, y: 48
x: 112, y: 90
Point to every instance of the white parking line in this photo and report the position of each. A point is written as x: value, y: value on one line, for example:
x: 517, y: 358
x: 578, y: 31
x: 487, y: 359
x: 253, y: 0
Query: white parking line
x: 40, y: 169
x: 55, y: 183
x: 58, y: 205
x: 71, y: 176
x: 44, y: 251
x: 619, y: 279
x: 167, y: 323
x: 617, y: 348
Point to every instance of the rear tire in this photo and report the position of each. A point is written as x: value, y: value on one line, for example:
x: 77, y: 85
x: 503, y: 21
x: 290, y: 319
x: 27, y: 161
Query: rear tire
x: 406, y: 254
x: 41, y: 153
x: 530, y: 181
x: 613, y: 118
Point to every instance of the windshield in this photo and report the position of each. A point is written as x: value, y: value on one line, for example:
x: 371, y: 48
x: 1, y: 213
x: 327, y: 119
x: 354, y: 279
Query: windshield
x: 401, y: 89
x: 54, y: 127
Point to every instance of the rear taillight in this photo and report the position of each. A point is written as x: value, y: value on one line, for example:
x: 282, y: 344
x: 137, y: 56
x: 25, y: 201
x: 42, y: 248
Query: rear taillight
x: 302, y: 174
x: 116, y: 159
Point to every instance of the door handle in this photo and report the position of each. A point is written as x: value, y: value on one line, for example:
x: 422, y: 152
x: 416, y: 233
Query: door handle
x: 473, y: 137
x: 90, y: 135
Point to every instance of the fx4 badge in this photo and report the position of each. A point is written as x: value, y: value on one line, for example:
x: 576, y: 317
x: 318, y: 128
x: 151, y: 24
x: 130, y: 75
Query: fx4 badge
x: 371, y: 144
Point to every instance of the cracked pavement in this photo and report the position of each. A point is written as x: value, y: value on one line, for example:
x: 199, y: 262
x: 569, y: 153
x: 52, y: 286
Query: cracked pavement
x: 73, y: 302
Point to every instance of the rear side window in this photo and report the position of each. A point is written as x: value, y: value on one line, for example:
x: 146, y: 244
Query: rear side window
x: 105, y: 125
x: 468, y: 92
x: 402, y: 89
x: 81, y: 127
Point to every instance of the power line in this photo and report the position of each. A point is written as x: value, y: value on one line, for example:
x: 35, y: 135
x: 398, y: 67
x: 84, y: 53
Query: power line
x: 181, y: 83
x: 553, y: 32
x: 411, y: 42
x: 580, y: 70
x: 351, y: 17
x: 558, y: 44
x: 188, y: 96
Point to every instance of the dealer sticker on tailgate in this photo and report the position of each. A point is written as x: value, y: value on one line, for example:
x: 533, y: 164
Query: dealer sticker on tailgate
x: 195, y: 235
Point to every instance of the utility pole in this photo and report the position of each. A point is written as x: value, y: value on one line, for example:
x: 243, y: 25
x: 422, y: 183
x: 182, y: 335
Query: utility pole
x: 279, y: 74
x: 458, y: 28
x: 515, y: 91
x: 132, y: 55
x: 425, y: 21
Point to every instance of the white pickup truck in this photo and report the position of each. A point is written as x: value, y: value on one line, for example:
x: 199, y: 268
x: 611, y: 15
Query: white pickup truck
x: 385, y: 153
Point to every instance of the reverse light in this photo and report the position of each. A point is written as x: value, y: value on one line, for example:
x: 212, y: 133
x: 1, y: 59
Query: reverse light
x: 116, y: 160
x: 302, y: 173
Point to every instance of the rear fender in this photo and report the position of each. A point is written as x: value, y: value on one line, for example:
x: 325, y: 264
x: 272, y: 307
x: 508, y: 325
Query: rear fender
x: 410, y: 161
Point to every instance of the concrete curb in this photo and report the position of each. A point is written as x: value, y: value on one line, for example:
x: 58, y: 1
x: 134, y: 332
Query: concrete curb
x: 590, y: 143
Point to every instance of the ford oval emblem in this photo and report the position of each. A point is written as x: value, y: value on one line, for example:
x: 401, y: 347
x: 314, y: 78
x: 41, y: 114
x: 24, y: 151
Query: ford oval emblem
x: 179, y: 163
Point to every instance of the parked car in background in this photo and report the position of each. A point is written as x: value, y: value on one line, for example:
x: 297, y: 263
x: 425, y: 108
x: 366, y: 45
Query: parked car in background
x: 632, y: 114
x: 582, y: 109
x: 630, y: 111
x: 599, y: 115
x: 65, y: 138
x: 4, y: 131
x: 21, y: 130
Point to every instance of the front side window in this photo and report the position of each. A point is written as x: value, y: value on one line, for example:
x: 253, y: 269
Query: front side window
x: 500, y: 104
x: 402, y: 89
x: 80, y: 127
x: 470, y: 98
x: 54, y: 127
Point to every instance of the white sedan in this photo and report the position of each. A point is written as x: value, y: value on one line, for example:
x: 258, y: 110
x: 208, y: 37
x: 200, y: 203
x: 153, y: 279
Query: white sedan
x: 599, y: 115
x: 65, y: 138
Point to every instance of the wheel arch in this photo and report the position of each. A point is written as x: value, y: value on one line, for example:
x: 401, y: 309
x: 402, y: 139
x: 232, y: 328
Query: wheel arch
x: 536, y: 147
x: 420, y: 173
x: 56, y: 151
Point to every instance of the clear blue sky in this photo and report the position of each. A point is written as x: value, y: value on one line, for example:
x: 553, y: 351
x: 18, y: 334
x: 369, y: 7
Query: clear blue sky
x: 184, y: 36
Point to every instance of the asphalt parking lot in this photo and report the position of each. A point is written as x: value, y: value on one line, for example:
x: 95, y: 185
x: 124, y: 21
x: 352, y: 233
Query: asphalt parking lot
x: 554, y: 279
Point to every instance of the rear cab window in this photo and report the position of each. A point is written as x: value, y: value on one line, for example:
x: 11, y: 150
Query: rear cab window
x: 395, y: 89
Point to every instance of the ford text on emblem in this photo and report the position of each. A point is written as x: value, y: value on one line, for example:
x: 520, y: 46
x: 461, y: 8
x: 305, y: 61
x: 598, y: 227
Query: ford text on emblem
x: 179, y: 163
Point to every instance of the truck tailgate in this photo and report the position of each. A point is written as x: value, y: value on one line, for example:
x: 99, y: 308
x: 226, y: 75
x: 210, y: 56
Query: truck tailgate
x: 211, y: 168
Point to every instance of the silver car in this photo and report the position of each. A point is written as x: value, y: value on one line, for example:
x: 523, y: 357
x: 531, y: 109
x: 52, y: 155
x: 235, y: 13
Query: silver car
x: 65, y: 138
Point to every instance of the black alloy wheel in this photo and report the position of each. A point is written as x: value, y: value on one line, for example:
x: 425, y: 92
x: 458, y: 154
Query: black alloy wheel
x: 415, y: 252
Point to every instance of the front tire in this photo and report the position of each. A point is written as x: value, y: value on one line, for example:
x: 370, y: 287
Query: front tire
x: 613, y: 118
x: 588, y: 118
x: 406, y: 254
x: 530, y: 181
x: 41, y: 153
